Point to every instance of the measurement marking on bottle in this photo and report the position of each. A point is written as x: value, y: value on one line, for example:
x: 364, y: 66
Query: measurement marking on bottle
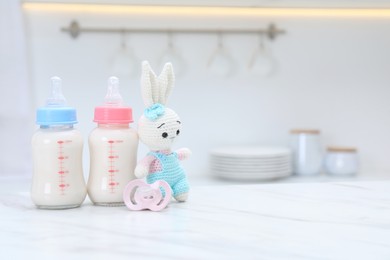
x: 62, y: 157
x: 112, y: 167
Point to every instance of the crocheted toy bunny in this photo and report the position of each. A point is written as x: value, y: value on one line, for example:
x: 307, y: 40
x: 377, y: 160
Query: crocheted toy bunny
x: 158, y: 128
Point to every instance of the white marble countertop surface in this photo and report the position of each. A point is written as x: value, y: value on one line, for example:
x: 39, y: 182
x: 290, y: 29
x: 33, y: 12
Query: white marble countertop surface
x: 337, y: 220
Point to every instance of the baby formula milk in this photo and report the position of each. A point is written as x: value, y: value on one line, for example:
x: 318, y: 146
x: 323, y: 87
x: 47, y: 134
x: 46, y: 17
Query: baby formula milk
x: 113, y: 149
x: 58, y: 181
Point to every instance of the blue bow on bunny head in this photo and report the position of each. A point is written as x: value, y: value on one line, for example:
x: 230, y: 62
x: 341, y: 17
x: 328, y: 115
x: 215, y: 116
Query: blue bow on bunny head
x: 154, y: 112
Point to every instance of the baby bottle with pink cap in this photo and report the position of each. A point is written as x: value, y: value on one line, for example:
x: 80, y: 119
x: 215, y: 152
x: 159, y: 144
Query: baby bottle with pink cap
x: 113, y: 149
x: 58, y: 181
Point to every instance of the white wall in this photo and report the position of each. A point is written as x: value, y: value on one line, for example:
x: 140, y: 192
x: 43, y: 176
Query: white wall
x: 333, y: 75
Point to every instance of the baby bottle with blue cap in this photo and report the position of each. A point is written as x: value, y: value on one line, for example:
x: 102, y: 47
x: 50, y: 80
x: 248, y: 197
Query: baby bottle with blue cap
x: 58, y: 181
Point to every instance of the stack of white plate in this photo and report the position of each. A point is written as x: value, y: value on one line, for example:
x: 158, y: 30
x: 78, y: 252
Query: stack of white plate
x: 251, y: 163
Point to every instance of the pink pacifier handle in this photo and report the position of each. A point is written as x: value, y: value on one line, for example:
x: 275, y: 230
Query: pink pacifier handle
x: 139, y: 195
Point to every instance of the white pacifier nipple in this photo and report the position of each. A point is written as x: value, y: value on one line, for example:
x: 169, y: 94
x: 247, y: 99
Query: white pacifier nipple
x: 56, y: 97
x: 113, y: 97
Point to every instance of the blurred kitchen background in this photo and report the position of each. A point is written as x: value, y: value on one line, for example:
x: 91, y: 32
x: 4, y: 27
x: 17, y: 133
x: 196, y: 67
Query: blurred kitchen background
x: 330, y: 71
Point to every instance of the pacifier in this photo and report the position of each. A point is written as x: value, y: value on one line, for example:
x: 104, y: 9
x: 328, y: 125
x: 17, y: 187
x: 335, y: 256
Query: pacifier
x: 139, y: 195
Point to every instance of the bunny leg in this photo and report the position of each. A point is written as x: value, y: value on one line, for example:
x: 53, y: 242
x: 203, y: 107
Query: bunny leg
x: 180, y: 190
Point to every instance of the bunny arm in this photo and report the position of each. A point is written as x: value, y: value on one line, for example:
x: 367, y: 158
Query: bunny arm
x: 183, y: 153
x: 143, y: 166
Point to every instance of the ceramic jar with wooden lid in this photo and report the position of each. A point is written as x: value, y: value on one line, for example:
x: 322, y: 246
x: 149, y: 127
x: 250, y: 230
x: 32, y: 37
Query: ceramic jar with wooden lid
x: 307, y: 151
x: 341, y: 161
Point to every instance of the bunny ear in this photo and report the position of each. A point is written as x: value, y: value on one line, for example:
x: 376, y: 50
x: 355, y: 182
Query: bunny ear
x: 149, y: 86
x: 166, y: 82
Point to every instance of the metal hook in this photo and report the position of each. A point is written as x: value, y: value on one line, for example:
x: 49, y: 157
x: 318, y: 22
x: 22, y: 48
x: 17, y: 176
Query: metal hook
x: 220, y: 40
x: 123, y: 39
x: 261, y: 41
x: 170, y: 40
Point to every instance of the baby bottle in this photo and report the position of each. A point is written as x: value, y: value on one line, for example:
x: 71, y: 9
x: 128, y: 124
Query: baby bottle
x: 58, y: 181
x: 113, y: 149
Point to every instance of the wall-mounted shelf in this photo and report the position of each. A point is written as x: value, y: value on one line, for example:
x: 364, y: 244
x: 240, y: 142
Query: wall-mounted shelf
x: 237, y: 3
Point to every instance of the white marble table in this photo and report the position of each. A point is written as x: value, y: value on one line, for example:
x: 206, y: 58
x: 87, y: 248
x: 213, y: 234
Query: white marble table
x: 346, y: 220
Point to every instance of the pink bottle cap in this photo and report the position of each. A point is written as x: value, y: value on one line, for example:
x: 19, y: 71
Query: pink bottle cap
x: 113, y: 115
x: 139, y: 195
x: 113, y: 111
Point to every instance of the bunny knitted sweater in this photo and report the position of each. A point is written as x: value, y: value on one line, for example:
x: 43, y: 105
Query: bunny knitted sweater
x: 165, y: 166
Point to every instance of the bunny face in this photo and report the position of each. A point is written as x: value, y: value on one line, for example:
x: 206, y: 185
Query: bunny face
x: 159, y: 126
x: 161, y: 133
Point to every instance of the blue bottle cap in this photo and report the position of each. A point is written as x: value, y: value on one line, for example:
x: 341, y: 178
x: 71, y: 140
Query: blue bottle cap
x: 56, y: 112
